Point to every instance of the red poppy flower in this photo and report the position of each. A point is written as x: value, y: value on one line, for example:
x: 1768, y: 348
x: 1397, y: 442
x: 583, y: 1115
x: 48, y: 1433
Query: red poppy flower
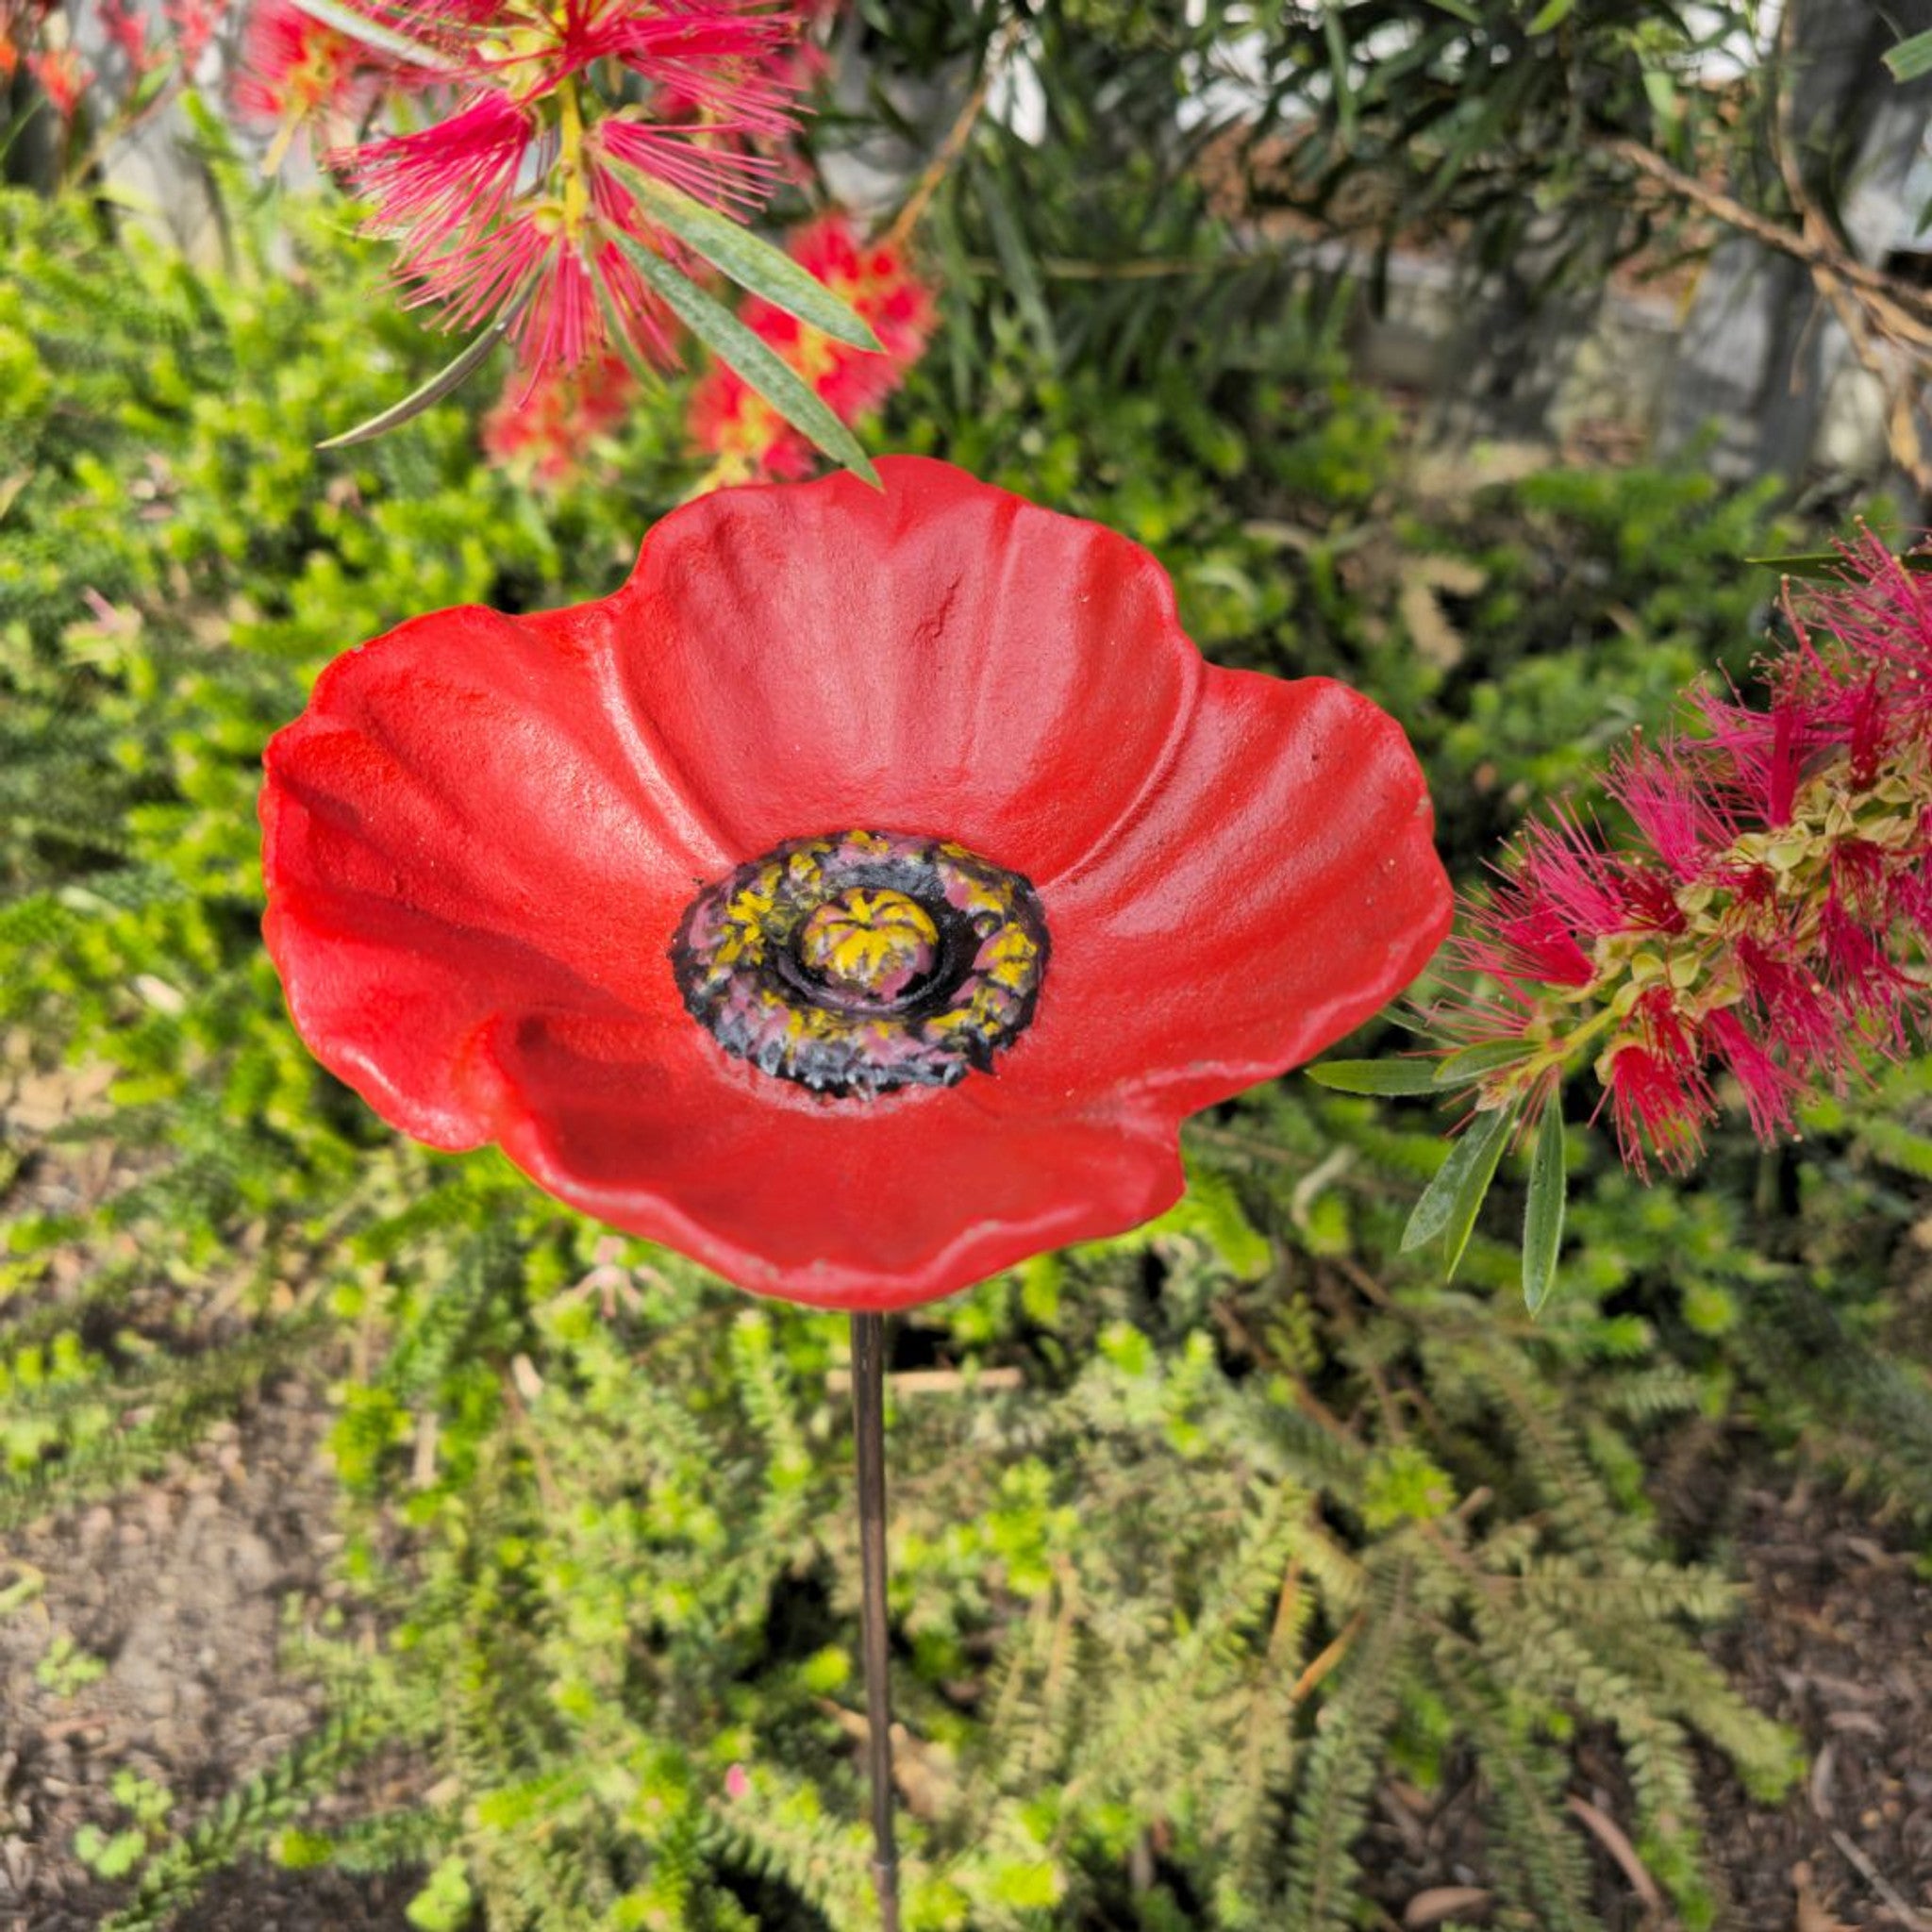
x: 856, y: 900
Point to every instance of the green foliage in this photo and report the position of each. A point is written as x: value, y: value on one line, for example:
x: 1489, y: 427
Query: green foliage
x: 65, y: 1668
x: 1503, y: 119
x: 1219, y: 1521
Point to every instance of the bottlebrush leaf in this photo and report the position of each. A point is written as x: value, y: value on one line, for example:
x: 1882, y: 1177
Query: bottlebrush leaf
x: 733, y: 343
x: 749, y: 260
x: 353, y: 25
x: 1376, y: 1076
x: 1542, y: 1213
x: 445, y: 382
x: 1449, y: 1204
x: 1472, y: 1063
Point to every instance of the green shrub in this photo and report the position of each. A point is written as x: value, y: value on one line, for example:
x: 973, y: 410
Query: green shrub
x: 1269, y: 1510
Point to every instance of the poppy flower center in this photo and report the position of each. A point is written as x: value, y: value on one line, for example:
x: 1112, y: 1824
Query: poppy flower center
x: 873, y: 945
x: 863, y: 962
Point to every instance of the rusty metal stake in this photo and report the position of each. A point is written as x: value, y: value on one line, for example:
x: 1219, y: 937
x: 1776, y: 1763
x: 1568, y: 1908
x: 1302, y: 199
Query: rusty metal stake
x: 869, y: 1433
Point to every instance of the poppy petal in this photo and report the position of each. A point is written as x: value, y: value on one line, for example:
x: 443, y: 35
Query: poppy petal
x: 849, y: 1203
x: 451, y: 833
x: 1277, y: 888
x: 939, y: 657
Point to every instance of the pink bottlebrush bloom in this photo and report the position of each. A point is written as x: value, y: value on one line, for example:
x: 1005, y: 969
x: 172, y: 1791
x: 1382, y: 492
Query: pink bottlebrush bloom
x: 1660, y: 1093
x: 1574, y: 874
x: 1792, y: 1008
x: 705, y: 57
x: 516, y: 200
x: 1769, y: 917
x: 1858, y: 877
x: 1536, y: 943
x: 1669, y: 804
x: 1756, y: 758
x: 1859, y: 969
x: 1771, y: 1086
x: 1657, y: 1108
x: 746, y: 436
x: 435, y: 186
x: 723, y: 175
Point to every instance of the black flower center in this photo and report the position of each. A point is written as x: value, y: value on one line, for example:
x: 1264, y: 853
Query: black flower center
x: 862, y: 961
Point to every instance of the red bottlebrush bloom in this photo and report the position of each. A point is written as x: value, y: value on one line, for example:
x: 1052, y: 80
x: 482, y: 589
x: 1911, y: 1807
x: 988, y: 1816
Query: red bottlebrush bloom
x: 63, y: 77
x: 194, y: 25
x: 514, y: 201
x: 1758, y: 921
x: 294, y: 69
x: 1656, y: 1103
x: 543, y: 432
x: 857, y: 900
x: 126, y: 32
x: 745, y: 435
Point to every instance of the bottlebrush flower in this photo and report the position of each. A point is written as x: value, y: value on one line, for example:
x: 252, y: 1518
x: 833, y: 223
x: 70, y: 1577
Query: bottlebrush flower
x: 294, y: 68
x: 62, y: 76
x: 744, y: 434
x: 511, y: 205
x: 125, y: 29
x: 193, y: 24
x: 1770, y: 916
x: 857, y: 900
x: 544, y: 431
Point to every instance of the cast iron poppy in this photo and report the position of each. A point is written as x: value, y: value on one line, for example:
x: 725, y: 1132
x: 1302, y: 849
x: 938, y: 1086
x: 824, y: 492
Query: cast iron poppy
x: 856, y: 900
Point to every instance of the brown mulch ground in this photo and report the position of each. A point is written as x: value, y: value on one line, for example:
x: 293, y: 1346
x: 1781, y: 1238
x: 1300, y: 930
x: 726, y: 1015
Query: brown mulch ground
x: 176, y: 1587
x: 1839, y: 1644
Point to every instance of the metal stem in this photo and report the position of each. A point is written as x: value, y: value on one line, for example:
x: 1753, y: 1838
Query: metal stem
x: 869, y: 1432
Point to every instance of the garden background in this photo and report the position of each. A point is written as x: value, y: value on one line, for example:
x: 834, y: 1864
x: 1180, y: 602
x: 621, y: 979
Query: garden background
x: 386, y: 1545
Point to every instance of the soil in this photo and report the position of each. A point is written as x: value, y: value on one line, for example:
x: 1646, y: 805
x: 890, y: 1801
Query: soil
x: 168, y: 1604
x: 1839, y: 1644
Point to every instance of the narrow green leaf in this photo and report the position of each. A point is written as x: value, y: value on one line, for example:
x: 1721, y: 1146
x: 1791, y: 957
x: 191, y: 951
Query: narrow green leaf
x: 1476, y: 1187
x: 1828, y: 563
x: 1553, y: 16
x: 1449, y: 1203
x: 1470, y: 1063
x: 1911, y: 59
x: 358, y: 26
x: 1542, y: 1213
x: 1338, y: 70
x: 148, y: 86
x: 1660, y: 90
x: 445, y: 382
x: 1374, y: 1077
x: 1017, y: 263
x: 749, y: 260
x: 729, y: 340
x: 1461, y: 9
